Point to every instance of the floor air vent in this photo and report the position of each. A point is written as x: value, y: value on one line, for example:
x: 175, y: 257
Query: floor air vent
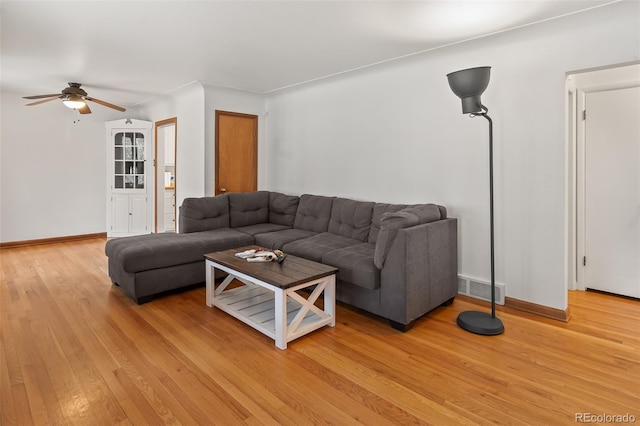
x: 480, y: 289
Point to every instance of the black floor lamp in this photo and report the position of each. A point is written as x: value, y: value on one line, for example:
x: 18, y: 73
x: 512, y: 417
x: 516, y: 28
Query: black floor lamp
x: 469, y: 85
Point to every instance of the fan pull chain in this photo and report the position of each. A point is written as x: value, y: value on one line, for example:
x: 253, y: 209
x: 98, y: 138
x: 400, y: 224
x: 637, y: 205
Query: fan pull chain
x: 76, y: 115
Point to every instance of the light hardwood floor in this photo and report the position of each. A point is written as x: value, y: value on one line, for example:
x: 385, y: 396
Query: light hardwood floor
x: 75, y: 350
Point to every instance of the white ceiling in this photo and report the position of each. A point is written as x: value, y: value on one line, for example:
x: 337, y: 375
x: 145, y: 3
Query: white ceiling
x: 126, y: 52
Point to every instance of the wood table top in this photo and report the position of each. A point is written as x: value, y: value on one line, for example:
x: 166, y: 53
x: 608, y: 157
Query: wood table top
x: 293, y: 271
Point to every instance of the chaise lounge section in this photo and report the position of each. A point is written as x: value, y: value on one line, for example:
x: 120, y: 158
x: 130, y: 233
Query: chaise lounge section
x: 396, y: 261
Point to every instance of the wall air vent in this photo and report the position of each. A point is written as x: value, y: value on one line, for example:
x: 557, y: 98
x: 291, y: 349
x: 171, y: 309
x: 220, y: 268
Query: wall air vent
x: 480, y: 289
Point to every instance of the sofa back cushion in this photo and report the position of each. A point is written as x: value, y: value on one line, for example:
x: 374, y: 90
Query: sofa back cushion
x: 204, y: 213
x: 391, y: 223
x: 378, y: 210
x: 351, y: 218
x: 314, y: 212
x: 282, y: 208
x: 248, y: 208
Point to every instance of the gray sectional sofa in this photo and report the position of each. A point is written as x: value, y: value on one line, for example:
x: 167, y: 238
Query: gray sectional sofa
x: 395, y: 261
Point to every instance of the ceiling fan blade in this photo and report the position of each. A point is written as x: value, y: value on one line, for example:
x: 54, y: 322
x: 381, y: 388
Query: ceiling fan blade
x: 85, y: 109
x: 41, y: 96
x: 107, y: 104
x: 44, y: 101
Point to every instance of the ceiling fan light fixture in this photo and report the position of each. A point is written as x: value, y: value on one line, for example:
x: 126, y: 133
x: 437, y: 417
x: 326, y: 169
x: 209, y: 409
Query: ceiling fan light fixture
x: 73, y: 102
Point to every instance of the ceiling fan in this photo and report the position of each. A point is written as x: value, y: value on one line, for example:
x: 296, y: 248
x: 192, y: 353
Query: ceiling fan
x: 73, y: 97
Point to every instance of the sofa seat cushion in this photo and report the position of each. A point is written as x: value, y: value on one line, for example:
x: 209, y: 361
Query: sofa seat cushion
x: 313, y: 248
x: 355, y: 265
x: 261, y: 228
x: 277, y: 239
x: 156, y: 251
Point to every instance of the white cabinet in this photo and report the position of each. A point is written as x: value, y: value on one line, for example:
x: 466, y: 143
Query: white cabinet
x: 169, y: 210
x: 129, y: 177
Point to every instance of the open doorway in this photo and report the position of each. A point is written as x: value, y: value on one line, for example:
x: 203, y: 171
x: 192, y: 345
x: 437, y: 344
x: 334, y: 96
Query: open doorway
x: 603, y: 153
x: 166, y: 138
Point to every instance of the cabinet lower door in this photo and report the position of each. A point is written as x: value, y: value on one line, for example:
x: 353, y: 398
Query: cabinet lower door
x: 128, y: 215
x: 138, y: 214
x: 120, y: 215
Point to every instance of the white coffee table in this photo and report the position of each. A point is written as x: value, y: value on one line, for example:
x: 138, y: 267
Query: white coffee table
x: 268, y: 299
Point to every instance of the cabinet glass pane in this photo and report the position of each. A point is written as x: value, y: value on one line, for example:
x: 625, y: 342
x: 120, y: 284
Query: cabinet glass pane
x: 118, y: 153
x: 128, y: 139
x: 119, y: 167
x: 140, y: 182
x: 119, y: 182
x: 139, y: 153
x: 128, y: 168
x: 139, y: 167
x: 128, y: 153
x: 118, y: 138
x: 128, y: 182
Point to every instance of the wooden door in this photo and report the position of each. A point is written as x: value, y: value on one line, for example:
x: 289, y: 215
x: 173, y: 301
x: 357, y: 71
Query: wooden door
x: 236, y: 152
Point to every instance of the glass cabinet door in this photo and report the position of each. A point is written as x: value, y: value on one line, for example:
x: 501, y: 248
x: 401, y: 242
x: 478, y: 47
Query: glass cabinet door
x: 128, y: 160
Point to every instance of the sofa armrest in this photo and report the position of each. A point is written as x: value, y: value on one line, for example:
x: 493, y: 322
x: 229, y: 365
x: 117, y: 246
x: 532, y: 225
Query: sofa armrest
x: 391, y: 223
x: 420, y: 271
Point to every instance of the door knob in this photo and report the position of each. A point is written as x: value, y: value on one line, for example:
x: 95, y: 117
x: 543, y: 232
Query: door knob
x: 223, y: 190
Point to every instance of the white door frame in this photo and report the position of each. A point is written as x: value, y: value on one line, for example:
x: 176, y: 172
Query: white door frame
x: 578, y: 84
x: 159, y: 183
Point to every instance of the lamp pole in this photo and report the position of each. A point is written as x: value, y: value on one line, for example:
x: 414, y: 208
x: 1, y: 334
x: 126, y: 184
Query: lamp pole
x: 473, y: 321
x: 493, y: 263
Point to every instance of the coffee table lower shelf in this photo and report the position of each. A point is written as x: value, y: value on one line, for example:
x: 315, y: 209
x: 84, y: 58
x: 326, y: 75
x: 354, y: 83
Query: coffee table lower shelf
x: 280, y: 313
x: 255, y: 306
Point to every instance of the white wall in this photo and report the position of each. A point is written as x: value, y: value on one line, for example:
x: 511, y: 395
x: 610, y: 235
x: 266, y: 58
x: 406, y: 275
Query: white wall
x: 187, y: 105
x: 395, y: 133
x: 225, y: 99
x: 169, y: 144
x: 52, y: 170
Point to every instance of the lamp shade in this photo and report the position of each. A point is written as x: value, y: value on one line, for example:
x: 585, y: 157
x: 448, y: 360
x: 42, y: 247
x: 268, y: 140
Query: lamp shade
x: 468, y: 85
x: 73, y: 101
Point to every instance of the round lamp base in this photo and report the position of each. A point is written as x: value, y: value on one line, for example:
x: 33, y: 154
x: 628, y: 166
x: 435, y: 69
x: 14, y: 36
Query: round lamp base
x: 480, y: 323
